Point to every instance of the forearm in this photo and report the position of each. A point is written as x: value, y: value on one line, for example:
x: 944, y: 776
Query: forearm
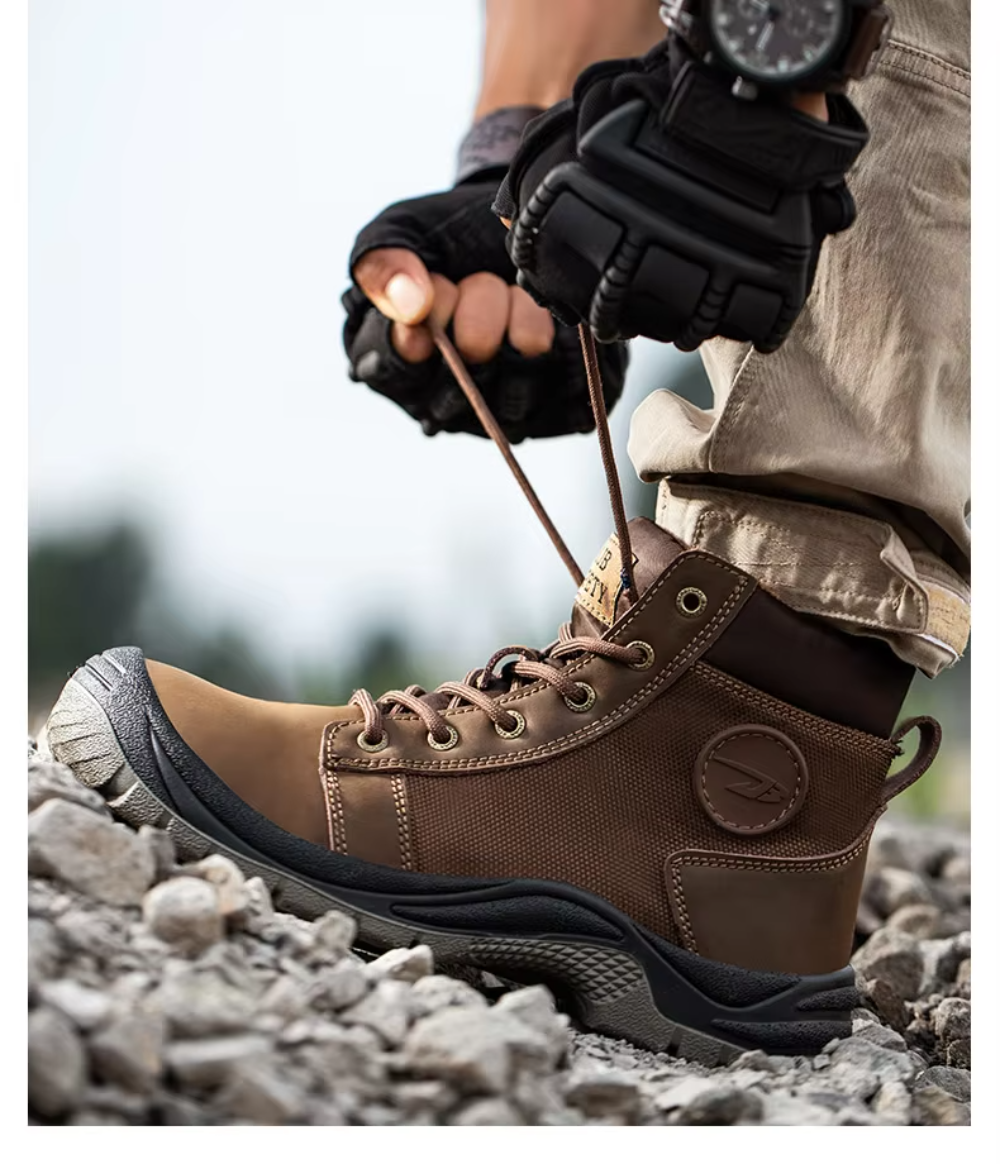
x: 535, y: 49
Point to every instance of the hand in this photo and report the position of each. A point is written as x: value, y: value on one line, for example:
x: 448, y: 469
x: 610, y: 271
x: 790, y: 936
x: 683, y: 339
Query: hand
x: 482, y: 309
x: 445, y: 255
x: 655, y: 202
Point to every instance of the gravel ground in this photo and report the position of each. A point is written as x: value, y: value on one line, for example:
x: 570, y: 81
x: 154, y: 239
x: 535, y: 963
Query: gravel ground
x: 161, y: 993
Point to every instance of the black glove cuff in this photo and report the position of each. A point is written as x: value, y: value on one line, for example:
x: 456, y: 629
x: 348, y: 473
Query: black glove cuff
x: 791, y: 149
x: 493, y: 140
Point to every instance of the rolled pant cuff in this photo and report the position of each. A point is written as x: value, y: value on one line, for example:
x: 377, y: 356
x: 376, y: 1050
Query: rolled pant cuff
x: 851, y: 570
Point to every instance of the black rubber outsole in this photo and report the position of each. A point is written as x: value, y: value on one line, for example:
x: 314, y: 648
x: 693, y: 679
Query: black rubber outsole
x: 614, y: 976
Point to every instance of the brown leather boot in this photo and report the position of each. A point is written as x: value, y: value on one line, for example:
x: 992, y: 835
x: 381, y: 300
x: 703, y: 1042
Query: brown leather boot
x: 664, y: 815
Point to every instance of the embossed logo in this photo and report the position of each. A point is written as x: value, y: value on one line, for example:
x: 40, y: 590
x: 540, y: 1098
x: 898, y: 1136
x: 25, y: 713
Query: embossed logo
x: 772, y: 784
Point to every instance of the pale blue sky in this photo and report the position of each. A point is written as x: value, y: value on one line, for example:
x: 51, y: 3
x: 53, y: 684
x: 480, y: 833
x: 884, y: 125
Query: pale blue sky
x: 198, y: 171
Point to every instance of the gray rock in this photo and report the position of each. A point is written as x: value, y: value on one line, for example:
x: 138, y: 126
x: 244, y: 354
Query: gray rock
x: 129, y: 1051
x: 197, y: 1003
x: 258, y: 912
x: 44, y: 953
x: 607, y: 1093
x: 180, y: 1111
x: 407, y: 965
x: 385, y: 1011
x: 933, y: 1107
x: 895, y: 958
x: 956, y: 1082
x: 893, y: 1103
x: 958, y: 1053
x: 97, y: 1119
x: 57, y: 1066
x: 963, y: 979
x: 958, y: 869
x: 486, y: 1112
x: 941, y: 960
x: 437, y: 991
x: 84, y: 1007
x: 256, y: 1091
x: 784, y: 1110
x: 681, y: 1094
x: 335, y: 931
x: 134, y: 1109
x: 161, y: 845
x: 185, y: 912
x: 536, y: 1008
x: 891, y: 889
x: 723, y: 1105
x: 208, y: 1062
x: 340, y: 986
x: 919, y: 920
x: 885, y: 1065
x: 285, y: 997
x: 953, y: 1020
x: 886, y: 1001
x: 228, y: 880
x: 476, y: 1050
x: 104, y: 860
x: 882, y: 1037
x: 423, y: 1095
x: 48, y: 780
x: 350, y: 1055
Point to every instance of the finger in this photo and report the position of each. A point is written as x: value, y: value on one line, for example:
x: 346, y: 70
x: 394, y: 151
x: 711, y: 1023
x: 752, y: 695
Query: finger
x: 397, y: 282
x: 531, y: 329
x: 414, y: 344
x: 481, y: 316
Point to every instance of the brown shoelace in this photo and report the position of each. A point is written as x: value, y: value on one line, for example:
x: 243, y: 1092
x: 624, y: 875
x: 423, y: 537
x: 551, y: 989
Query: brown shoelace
x: 530, y: 665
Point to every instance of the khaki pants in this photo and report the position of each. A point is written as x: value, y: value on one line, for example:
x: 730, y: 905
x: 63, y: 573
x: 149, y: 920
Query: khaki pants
x: 836, y: 470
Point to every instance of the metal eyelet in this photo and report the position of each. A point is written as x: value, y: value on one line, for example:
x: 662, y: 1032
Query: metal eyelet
x: 691, y: 601
x: 450, y: 742
x: 649, y: 655
x: 585, y: 704
x: 516, y: 730
x: 379, y: 744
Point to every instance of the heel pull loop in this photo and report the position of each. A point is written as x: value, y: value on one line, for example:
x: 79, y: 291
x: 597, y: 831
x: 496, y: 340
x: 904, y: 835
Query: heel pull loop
x: 927, y: 750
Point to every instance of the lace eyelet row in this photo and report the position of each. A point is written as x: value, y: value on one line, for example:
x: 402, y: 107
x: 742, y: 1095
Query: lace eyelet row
x: 520, y: 724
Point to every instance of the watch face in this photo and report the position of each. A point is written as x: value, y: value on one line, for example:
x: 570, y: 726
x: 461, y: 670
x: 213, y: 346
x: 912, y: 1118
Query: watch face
x: 776, y: 40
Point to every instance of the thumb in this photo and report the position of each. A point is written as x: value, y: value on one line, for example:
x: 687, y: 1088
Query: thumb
x: 397, y: 282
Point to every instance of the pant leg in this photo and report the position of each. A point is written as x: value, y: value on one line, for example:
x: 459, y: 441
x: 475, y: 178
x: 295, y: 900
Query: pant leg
x: 836, y: 470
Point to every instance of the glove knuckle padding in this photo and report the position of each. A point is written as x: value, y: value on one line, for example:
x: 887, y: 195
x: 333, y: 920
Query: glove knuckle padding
x: 456, y: 235
x: 669, y: 208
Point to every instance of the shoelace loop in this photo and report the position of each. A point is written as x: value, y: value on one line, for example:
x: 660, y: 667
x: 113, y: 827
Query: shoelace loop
x: 530, y: 665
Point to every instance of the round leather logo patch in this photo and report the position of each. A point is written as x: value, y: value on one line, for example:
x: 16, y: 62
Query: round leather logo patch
x: 751, y: 779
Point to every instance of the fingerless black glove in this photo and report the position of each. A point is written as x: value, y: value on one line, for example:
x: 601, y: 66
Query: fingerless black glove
x: 456, y: 235
x: 656, y: 203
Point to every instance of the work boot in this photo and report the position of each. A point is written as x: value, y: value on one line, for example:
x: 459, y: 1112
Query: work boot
x: 664, y: 815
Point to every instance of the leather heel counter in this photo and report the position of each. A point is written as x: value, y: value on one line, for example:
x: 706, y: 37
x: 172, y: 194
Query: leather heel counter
x: 782, y: 914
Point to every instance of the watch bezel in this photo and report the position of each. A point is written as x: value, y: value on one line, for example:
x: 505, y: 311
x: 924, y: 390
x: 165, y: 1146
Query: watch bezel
x: 824, y: 64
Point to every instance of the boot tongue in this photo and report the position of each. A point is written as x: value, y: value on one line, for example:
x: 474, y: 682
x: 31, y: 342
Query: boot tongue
x: 601, y: 599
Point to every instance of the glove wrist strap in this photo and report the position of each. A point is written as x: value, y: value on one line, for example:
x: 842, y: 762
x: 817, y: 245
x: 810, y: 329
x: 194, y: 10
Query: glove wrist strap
x: 493, y: 140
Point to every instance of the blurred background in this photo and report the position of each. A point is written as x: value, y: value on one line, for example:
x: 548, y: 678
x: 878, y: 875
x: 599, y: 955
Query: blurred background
x: 205, y: 480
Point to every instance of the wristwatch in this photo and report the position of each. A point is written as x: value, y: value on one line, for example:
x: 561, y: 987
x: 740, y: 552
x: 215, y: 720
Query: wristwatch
x: 815, y: 45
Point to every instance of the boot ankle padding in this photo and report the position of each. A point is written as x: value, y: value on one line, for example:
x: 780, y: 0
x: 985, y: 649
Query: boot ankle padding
x: 849, y: 679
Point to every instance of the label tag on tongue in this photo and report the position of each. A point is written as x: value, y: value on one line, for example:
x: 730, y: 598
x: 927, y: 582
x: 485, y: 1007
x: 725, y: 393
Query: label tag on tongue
x: 602, y: 586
